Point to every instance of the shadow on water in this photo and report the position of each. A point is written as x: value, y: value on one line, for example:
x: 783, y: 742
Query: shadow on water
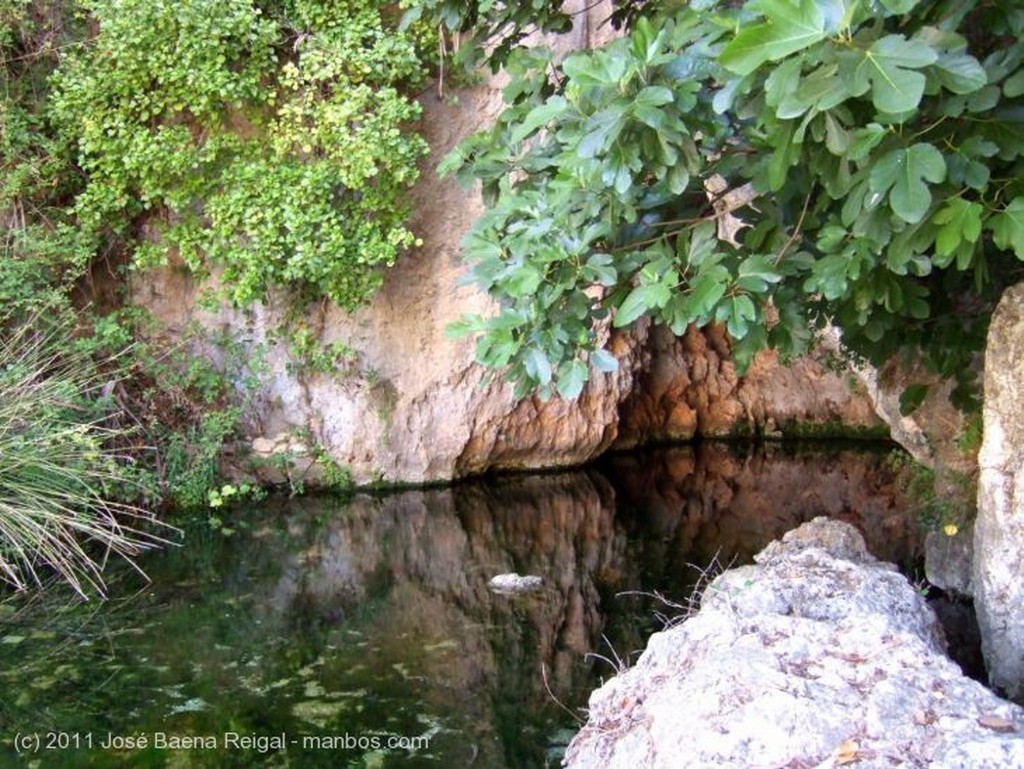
x: 363, y: 634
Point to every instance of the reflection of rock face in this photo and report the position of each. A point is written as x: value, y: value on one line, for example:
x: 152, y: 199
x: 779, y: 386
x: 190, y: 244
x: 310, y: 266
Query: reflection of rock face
x: 422, y: 559
x: 819, y: 655
x: 739, y: 498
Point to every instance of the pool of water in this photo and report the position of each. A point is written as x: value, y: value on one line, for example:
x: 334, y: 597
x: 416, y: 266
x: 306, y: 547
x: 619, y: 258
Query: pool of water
x: 362, y: 632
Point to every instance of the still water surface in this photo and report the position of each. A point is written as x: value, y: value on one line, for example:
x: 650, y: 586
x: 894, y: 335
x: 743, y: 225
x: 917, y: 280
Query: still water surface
x: 362, y: 633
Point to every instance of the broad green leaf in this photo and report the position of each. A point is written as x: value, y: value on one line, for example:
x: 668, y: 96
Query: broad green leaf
x: 838, y: 14
x: 705, y: 292
x: 831, y: 237
x: 571, y: 379
x: 959, y: 220
x: 451, y: 163
x: 602, y: 68
x: 600, y: 268
x: 829, y: 276
x: 837, y: 138
x: 960, y: 73
x: 654, y: 117
x: 821, y: 90
x: 1013, y: 86
x: 756, y: 272
x: 782, y: 82
x: 903, y: 173
x: 539, y: 116
x: 741, y: 311
x: 644, y: 37
x: 983, y: 100
x: 1008, y: 227
x: 640, y: 301
x: 523, y: 280
x: 495, y: 351
x: 703, y: 239
x: 786, y: 150
x: 602, y: 129
x: 899, y: 7
x: 789, y: 26
x: 507, y: 320
x: 979, y: 146
x: 888, y: 69
x: 654, y: 96
x: 537, y: 365
x: 865, y: 139
x: 724, y: 97
x: 678, y: 179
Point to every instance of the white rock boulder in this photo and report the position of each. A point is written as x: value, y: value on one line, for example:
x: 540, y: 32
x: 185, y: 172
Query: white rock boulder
x: 818, y: 655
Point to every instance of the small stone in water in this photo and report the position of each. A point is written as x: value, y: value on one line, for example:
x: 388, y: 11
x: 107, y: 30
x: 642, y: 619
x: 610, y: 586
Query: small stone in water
x: 515, y: 583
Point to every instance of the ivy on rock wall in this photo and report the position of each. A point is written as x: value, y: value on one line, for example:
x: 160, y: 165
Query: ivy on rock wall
x: 268, y: 139
x: 873, y: 149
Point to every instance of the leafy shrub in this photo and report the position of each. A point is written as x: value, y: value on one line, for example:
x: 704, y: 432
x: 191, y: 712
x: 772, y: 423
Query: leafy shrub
x: 268, y: 142
x: 59, y: 475
x: 876, y: 150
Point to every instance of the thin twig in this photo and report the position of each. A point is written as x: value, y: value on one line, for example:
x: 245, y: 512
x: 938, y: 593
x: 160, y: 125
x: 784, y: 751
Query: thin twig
x: 796, y: 231
x: 547, y: 688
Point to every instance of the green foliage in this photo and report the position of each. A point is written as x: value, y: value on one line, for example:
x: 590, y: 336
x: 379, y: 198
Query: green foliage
x: 60, y: 471
x: 41, y: 253
x: 191, y: 458
x: 947, y: 511
x: 335, y: 477
x: 487, y: 30
x: 268, y: 142
x: 193, y: 398
x: 875, y: 150
x: 311, y: 355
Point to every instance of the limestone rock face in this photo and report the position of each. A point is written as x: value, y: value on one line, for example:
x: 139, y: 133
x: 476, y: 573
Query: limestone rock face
x: 998, y: 565
x: 818, y: 655
x: 410, y: 405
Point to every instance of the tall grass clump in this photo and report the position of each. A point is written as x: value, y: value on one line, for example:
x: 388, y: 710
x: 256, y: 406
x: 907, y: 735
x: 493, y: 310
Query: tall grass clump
x: 61, y: 477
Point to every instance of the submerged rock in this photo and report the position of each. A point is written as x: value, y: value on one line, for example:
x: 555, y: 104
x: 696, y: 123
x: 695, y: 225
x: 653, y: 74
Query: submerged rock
x: 817, y: 655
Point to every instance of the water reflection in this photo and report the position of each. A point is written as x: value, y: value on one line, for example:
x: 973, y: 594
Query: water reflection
x: 372, y: 617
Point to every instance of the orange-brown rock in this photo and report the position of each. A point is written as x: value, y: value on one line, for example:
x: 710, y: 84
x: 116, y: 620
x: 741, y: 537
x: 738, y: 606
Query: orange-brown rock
x: 688, y: 386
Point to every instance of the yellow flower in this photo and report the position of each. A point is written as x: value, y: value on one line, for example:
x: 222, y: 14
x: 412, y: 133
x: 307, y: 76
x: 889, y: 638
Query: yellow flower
x: 950, y: 529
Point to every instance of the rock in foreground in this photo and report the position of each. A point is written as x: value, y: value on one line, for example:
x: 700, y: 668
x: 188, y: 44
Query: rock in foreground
x: 818, y: 655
